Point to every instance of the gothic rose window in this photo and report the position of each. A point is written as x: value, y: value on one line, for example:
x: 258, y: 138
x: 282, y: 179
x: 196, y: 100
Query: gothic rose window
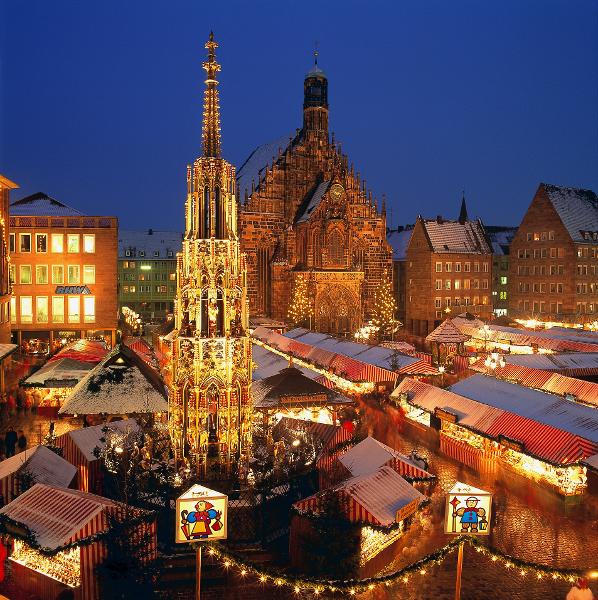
x: 336, y: 249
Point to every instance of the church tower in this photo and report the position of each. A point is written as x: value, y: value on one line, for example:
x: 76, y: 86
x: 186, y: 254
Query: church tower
x: 210, y: 405
x: 315, y: 100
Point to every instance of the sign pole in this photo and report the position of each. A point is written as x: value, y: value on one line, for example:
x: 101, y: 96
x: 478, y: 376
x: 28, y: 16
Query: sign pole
x: 459, y: 570
x: 198, y: 572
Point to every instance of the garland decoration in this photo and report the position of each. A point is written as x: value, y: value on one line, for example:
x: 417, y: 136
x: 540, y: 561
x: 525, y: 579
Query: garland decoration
x: 520, y: 568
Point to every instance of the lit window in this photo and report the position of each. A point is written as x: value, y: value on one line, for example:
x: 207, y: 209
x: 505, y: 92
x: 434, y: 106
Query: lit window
x: 89, y: 243
x: 57, y: 309
x: 57, y: 243
x: 24, y: 242
x: 13, y: 310
x: 12, y: 273
x: 74, y: 305
x: 41, y: 242
x: 89, y: 309
x: 89, y: 274
x: 25, y: 274
x: 57, y: 274
x: 41, y: 274
x: 172, y: 276
x: 438, y: 267
x: 74, y: 274
x: 132, y: 289
x: 503, y: 280
x: 72, y: 243
x: 41, y: 309
x: 26, y: 309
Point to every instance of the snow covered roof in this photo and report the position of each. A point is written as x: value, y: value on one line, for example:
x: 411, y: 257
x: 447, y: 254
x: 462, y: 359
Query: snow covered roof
x: 153, y: 243
x: 370, y: 454
x: 269, y: 363
x: 500, y: 238
x: 447, y: 333
x: 399, y: 240
x: 121, y: 384
x: 577, y: 208
x: 6, y: 349
x: 89, y: 438
x: 42, y: 465
x: 290, y: 387
x: 55, y: 516
x: 313, y: 202
x: 540, y: 406
x: 252, y: 169
x: 456, y: 237
x: 41, y: 204
x: 559, y: 361
x: 382, y: 493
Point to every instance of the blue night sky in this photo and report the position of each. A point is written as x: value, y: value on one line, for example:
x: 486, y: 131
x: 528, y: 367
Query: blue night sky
x: 101, y: 101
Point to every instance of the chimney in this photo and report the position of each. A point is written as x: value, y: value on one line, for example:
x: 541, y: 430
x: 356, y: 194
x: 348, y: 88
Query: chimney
x: 150, y: 232
x: 439, y: 220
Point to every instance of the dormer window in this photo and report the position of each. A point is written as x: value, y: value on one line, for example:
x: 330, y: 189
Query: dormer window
x: 156, y: 253
x: 141, y: 253
x: 127, y: 253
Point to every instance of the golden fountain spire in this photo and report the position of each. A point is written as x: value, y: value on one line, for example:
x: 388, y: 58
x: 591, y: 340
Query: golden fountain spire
x: 211, y: 106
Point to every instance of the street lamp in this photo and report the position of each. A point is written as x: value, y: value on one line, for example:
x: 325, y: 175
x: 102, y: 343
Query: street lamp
x: 441, y: 370
x: 486, y: 331
x: 494, y: 360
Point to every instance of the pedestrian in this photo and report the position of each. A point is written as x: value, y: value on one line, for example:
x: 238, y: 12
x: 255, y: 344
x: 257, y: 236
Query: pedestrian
x: 11, y: 441
x: 22, y: 441
x: 580, y: 591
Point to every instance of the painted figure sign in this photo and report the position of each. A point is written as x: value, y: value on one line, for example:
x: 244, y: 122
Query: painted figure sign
x: 468, y: 510
x: 201, y: 515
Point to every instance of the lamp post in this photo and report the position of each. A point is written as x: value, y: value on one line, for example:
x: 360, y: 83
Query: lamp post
x: 441, y: 370
x: 494, y: 360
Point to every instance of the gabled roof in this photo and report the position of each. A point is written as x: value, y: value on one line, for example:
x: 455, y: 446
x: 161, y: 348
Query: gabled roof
x: 41, y: 204
x: 313, y: 202
x: 447, y: 333
x: 291, y: 387
x: 455, y: 237
x: 500, y: 238
x: 577, y: 208
x: 55, y: 516
x: 42, y: 465
x: 370, y: 454
x: 252, y: 169
x: 153, y: 243
x: 121, y: 384
x: 399, y: 240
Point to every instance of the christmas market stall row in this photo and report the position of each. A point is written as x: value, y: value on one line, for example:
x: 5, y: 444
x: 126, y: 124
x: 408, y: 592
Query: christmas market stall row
x: 486, y: 422
x: 60, y: 537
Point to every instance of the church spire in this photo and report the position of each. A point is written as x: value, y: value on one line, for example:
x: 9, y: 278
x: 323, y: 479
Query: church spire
x: 211, y: 106
x: 463, y: 212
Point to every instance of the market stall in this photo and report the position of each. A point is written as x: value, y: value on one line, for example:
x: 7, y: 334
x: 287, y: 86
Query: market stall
x: 446, y: 342
x: 58, y: 542
x: 35, y: 465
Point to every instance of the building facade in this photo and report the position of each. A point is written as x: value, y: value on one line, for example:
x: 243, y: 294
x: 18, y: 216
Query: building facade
x: 448, y: 270
x: 147, y: 271
x: 553, y: 272
x: 210, y: 403
x: 500, y: 239
x: 306, y: 213
x: 63, y: 268
x: 6, y: 185
x: 399, y: 240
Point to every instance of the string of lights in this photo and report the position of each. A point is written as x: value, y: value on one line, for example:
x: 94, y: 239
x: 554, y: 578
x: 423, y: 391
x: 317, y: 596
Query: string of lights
x: 520, y: 568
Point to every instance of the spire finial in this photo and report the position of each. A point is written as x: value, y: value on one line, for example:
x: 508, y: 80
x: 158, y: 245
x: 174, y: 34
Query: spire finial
x: 463, y: 217
x: 211, y: 104
x: 316, y: 53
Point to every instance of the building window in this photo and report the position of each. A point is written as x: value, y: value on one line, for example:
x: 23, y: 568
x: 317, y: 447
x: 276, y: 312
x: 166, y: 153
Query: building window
x: 438, y: 302
x: 467, y: 267
x: 89, y: 309
x: 89, y: 243
x: 172, y: 276
x: 74, y: 275
x: 89, y: 274
x: 336, y: 249
x: 58, y: 274
x: 448, y: 267
x: 72, y: 243
x: 156, y: 253
x: 57, y: 243
x: 141, y: 253
x: 12, y: 273
x: 457, y: 284
x: 57, y: 309
x: 439, y: 284
x: 25, y: 274
x: 24, y: 242
x: 11, y: 242
x: 458, y: 267
x: 41, y: 243
x: 447, y: 284
x: 132, y: 289
x: 438, y: 267
x: 74, y: 306
x: 127, y: 253
x: 41, y: 309
x: 26, y: 309
x: 169, y: 253
x: 41, y: 274
x: 551, y: 235
x: 13, y: 309
x: 536, y: 236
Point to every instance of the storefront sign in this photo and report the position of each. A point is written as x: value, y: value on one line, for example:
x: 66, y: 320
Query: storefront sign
x: 72, y: 289
x: 468, y: 510
x: 511, y: 444
x: 201, y: 515
x: 445, y: 415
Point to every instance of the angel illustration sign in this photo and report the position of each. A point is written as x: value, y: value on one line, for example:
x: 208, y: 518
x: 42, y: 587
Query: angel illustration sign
x: 201, y: 515
x: 468, y: 510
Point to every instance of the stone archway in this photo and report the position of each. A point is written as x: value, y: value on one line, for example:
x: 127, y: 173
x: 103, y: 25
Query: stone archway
x: 337, y: 310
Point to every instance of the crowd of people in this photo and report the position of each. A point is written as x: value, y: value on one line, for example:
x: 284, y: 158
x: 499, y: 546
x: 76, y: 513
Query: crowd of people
x: 12, y: 442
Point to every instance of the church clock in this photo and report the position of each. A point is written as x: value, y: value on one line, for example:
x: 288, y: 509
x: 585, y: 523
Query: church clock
x: 337, y: 192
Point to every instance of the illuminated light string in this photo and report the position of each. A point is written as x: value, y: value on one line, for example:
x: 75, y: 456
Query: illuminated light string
x: 404, y: 575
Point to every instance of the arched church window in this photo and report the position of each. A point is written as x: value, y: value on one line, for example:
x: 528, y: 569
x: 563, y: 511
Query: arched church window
x: 206, y: 213
x: 316, y: 249
x: 203, y: 303
x: 336, y: 249
x: 218, y: 214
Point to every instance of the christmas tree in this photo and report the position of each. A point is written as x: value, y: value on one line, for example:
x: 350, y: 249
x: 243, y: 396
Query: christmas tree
x: 300, y: 313
x: 385, y: 308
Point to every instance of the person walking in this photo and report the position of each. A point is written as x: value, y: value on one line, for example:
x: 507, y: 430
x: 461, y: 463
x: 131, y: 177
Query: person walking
x: 10, y: 440
x: 22, y: 441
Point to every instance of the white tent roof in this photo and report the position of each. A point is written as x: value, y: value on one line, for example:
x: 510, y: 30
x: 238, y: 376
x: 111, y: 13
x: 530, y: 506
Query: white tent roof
x: 43, y: 465
x: 88, y: 438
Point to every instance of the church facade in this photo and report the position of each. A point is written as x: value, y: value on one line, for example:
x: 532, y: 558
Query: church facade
x: 305, y: 213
